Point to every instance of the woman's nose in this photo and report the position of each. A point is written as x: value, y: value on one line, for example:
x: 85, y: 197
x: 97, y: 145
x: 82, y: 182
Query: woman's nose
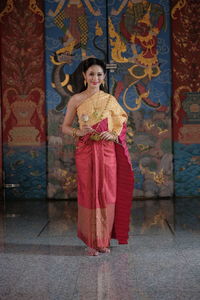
x: 95, y: 77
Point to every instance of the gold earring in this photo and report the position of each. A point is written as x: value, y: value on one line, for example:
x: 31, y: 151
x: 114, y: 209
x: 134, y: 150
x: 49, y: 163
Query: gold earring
x: 85, y: 83
x: 103, y: 83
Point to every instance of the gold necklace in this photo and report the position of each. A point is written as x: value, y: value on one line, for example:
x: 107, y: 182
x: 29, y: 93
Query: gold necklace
x: 95, y: 136
x: 99, y: 115
x: 95, y: 114
x: 88, y: 94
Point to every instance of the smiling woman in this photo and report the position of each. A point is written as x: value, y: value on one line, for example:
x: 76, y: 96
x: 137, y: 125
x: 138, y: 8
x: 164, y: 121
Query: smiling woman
x: 104, y: 173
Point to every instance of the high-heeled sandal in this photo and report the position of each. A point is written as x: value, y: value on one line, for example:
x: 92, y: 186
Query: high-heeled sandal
x: 92, y: 252
x: 104, y: 250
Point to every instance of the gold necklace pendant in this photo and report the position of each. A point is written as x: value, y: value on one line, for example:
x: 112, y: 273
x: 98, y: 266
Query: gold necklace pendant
x: 95, y: 114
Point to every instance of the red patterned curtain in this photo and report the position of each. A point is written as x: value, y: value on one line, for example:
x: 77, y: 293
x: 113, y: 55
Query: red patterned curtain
x: 186, y: 95
x: 2, y: 4
x: 23, y: 107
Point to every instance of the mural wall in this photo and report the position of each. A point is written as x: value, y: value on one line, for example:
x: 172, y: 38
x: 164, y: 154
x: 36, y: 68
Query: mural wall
x: 186, y: 97
x: 134, y: 36
x: 22, y: 75
x: 139, y: 39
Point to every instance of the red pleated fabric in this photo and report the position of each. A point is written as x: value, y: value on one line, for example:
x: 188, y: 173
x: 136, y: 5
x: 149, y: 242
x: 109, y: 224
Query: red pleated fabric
x: 125, y: 183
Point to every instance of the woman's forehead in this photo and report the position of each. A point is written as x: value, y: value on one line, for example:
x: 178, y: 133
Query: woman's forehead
x: 95, y: 68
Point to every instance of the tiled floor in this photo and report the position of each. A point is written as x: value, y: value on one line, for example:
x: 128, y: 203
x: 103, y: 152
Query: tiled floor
x: 42, y: 259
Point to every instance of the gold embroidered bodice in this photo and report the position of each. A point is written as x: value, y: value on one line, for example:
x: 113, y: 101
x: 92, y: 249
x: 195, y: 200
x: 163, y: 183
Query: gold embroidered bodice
x: 101, y: 106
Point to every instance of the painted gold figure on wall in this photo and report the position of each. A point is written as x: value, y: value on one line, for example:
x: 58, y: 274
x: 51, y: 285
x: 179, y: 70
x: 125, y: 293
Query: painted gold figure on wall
x: 76, y: 33
x: 140, y: 26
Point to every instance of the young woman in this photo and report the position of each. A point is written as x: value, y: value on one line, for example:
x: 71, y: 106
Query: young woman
x: 104, y: 173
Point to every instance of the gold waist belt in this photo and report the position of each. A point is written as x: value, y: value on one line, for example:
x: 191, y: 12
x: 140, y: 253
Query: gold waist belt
x: 95, y: 137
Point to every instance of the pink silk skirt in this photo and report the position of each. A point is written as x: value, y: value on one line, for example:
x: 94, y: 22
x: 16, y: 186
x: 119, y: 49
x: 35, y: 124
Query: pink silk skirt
x: 105, y: 189
x: 97, y: 187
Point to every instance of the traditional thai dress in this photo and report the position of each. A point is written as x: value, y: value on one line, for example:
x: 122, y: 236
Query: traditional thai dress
x: 104, y: 173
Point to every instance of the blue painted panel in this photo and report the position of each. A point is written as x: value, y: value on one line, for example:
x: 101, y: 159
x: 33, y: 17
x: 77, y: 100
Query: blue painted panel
x: 186, y: 168
x: 25, y: 166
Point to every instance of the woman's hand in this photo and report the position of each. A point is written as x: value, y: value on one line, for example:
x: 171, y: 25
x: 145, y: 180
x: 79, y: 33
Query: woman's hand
x: 85, y: 130
x: 108, y: 136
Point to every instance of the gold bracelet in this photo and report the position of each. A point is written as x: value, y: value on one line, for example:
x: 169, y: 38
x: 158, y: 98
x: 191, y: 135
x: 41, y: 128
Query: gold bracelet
x: 74, y: 132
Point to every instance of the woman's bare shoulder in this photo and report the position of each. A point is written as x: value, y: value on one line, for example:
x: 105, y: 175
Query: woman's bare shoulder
x: 75, y: 100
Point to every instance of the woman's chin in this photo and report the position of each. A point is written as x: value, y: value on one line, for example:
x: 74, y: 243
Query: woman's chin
x: 94, y: 87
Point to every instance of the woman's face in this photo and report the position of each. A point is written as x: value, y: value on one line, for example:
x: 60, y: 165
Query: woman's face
x: 94, y: 76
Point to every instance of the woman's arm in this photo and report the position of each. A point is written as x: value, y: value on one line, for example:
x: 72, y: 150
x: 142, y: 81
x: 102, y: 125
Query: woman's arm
x: 69, y: 118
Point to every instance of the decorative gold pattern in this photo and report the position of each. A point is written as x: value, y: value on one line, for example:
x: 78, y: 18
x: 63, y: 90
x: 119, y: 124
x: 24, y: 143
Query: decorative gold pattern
x: 82, y: 21
x: 99, y: 31
x: 118, y: 47
x: 177, y: 99
x: 63, y: 83
x: 24, y: 136
x: 146, y: 17
x: 138, y: 101
x: 123, y: 4
x: 179, y: 5
x: 59, y: 19
x: 149, y: 124
x: 36, y: 10
x: 58, y: 8
x: 161, y: 131
x: 158, y: 177
x: 143, y: 147
x: 9, y: 7
x: 147, y: 71
x: 23, y: 111
x: 54, y: 61
x: 91, y: 9
x: 24, y: 132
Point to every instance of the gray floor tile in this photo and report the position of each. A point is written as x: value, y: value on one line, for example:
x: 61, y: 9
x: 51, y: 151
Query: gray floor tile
x: 171, y: 277
x: 42, y: 277
x: 169, y: 294
x: 107, y: 277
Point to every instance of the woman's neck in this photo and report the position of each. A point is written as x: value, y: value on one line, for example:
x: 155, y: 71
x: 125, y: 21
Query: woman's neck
x: 90, y: 91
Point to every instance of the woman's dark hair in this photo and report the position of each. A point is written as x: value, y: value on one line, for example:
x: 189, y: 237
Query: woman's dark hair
x: 92, y: 61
